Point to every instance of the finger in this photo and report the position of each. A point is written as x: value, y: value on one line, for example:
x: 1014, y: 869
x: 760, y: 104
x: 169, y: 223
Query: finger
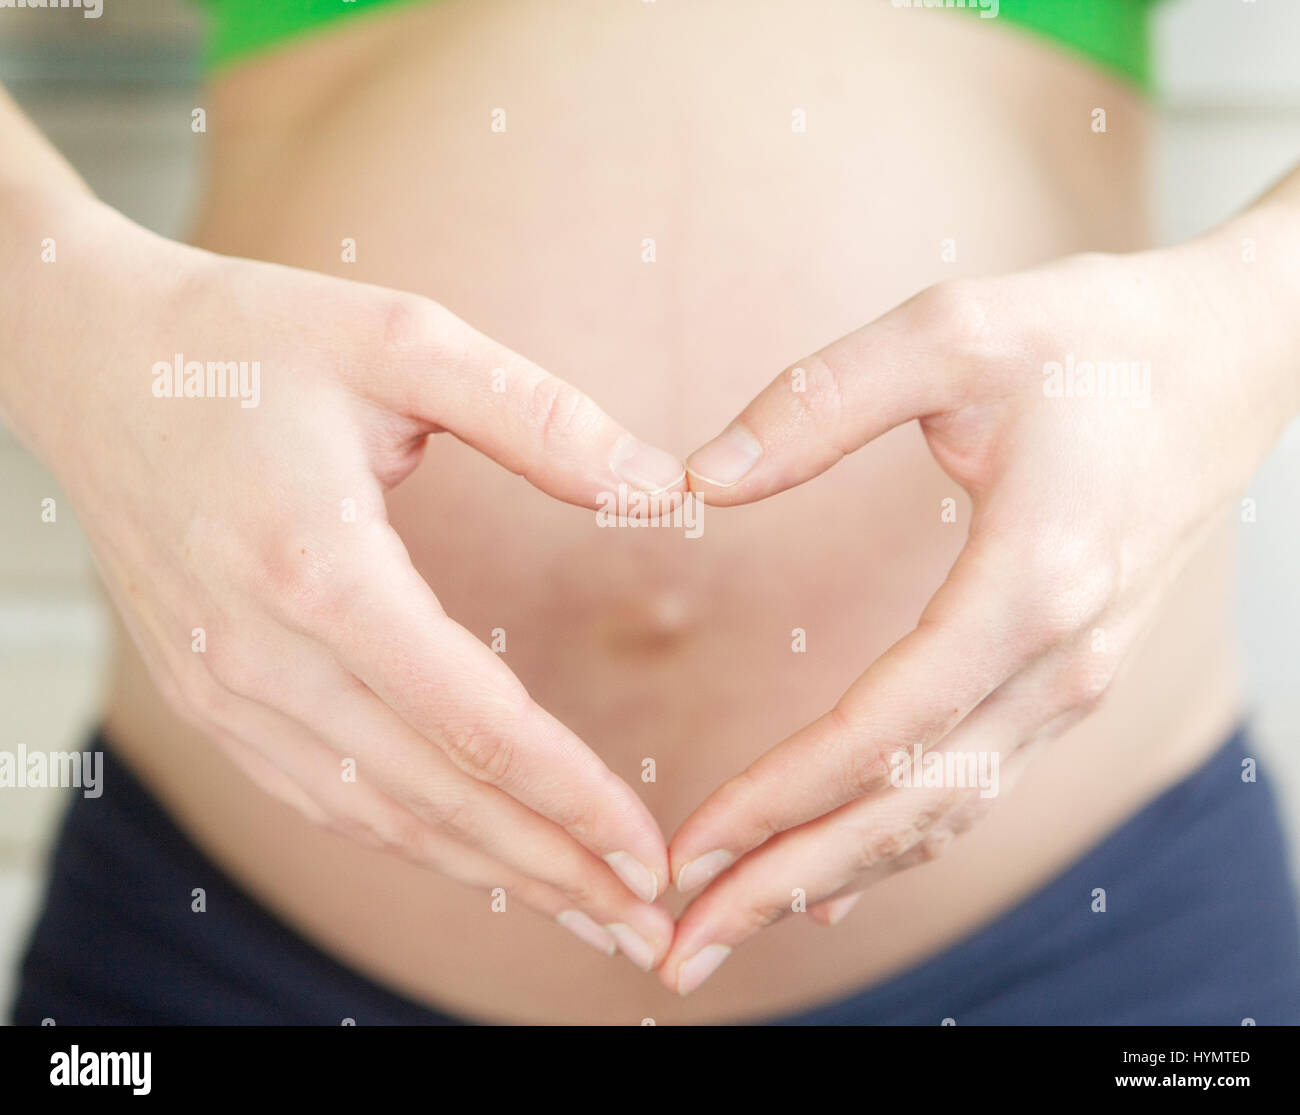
x: 446, y: 821
x: 402, y: 764
x: 385, y: 627
x: 1024, y: 591
x: 443, y: 371
x: 977, y: 631
x: 826, y: 406
x: 934, y: 844
x: 804, y: 866
x: 807, y: 864
x: 437, y: 853
x: 1040, y: 703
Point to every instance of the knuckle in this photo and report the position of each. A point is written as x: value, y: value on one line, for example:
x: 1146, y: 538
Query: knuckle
x: 965, y: 819
x: 957, y: 314
x: 1070, y: 610
x: 879, y: 843
x: 405, y: 835
x: 560, y: 413
x: 1065, y: 590
x: 392, y: 831
x: 481, y: 751
x: 883, y: 846
x: 867, y: 769
x: 873, y: 763
x: 579, y: 814
x: 763, y: 913
x: 411, y: 326
x: 866, y: 763
x: 1086, y: 679
x: 822, y: 399
x: 936, y: 845
x: 1053, y: 620
x: 1092, y: 581
x: 924, y: 851
x: 302, y: 584
x: 586, y: 893
x: 453, y: 817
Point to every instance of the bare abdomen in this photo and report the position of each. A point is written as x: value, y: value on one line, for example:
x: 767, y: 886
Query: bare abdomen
x: 794, y: 169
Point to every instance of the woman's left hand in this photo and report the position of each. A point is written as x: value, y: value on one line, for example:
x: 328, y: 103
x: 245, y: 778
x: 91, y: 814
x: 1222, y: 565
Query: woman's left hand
x: 1101, y: 412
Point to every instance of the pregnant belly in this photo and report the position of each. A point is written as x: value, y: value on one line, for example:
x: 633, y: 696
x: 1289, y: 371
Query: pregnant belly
x: 665, y: 204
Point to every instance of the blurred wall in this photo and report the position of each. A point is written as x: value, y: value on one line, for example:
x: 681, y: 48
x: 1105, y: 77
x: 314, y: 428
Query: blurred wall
x: 115, y: 94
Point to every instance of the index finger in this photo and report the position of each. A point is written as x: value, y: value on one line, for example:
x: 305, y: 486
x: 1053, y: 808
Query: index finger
x: 980, y: 629
x: 443, y: 372
x: 384, y: 625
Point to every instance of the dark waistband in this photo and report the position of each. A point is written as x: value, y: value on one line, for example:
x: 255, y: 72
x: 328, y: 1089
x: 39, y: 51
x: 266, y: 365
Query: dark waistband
x: 1185, y: 913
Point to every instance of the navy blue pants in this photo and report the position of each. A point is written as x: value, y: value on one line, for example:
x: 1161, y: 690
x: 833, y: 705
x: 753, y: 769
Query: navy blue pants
x: 1200, y: 927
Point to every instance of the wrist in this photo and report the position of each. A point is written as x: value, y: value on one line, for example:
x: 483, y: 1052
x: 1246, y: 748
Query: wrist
x: 1250, y: 266
x: 72, y: 267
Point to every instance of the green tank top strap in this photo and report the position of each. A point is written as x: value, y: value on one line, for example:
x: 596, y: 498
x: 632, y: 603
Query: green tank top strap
x: 1111, y: 33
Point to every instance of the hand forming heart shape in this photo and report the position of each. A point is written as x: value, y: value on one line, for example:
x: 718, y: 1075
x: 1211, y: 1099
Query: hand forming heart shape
x: 1047, y: 421
x: 278, y: 610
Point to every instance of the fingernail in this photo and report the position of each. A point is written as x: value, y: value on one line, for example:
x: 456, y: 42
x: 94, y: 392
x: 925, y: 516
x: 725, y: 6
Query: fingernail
x: 836, y: 910
x: 727, y: 458
x: 644, y: 467
x: 699, y: 871
x: 640, y: 880
x: 582, y: 927
x: 700, y: 967
x: 635, y: 947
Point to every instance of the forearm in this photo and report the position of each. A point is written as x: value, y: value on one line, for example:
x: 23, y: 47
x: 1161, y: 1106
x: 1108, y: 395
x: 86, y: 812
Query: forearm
x: 71, y: 277
x: 30, y: 164
x: 1285, y: 192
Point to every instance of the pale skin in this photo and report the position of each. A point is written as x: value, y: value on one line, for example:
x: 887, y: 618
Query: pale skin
x: 333, y: 639
x: 1085, y: 509
x: 322, y: 643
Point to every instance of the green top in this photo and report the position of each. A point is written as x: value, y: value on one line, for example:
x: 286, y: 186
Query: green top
x: 1112, y: 33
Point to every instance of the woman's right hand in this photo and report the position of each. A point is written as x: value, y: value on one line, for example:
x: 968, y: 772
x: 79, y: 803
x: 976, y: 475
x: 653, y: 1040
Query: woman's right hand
x: 325, y: 667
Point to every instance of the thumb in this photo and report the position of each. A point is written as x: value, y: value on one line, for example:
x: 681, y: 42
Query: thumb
x: 444, y: 372
x: 831, y: 403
